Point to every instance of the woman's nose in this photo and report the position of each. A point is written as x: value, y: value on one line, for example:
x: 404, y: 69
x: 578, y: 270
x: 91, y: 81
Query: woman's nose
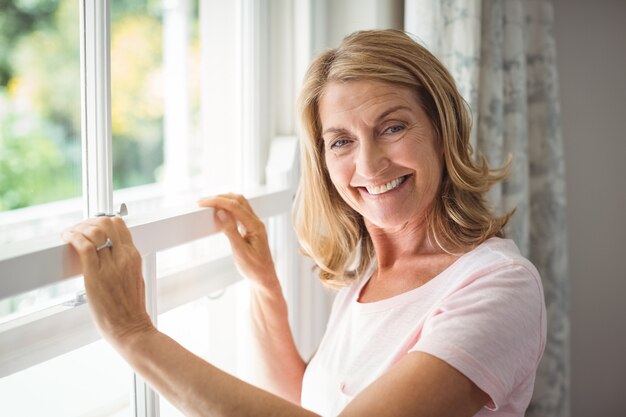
x: 371, y: 159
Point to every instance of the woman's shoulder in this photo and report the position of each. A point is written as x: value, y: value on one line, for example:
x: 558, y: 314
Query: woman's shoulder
x: 495, y: 267
x: 496, y: 253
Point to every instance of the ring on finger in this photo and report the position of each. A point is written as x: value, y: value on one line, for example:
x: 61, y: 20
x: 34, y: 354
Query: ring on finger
x: 105, y: 245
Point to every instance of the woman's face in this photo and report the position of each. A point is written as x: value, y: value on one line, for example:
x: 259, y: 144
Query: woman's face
x: 381, y: 151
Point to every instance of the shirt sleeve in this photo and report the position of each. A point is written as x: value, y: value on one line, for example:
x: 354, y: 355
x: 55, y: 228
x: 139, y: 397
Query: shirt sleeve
x: 491, y: 329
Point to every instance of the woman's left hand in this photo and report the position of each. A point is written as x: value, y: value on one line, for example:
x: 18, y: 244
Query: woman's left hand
x: 246, y: 233
x: 113, y: 278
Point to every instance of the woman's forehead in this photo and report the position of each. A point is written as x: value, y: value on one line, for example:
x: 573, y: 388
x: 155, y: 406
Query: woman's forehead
x: 364, y: 99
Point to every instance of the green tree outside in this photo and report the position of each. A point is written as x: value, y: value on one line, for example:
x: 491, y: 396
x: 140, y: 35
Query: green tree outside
x: 40, y: 98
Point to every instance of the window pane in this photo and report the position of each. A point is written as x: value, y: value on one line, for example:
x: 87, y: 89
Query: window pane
x: 177, y: 106
x: 64, y: 293
x: 154, y: 66
x: 91, y: 381
x: 136, y: 93
x: 216, y: 329
x: 40, y: 146
x: 40, y: 149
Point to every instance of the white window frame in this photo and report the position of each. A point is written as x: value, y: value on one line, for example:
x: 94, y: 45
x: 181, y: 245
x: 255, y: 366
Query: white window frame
x: 95, y: 63
x: 28, y: 265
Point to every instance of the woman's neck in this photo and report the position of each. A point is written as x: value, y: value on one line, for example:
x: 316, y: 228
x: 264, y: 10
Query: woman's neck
x: 403, y: 243
x: 406, y: 259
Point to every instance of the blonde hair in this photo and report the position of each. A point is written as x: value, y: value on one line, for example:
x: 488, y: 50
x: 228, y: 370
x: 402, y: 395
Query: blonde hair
x: 331, y: 232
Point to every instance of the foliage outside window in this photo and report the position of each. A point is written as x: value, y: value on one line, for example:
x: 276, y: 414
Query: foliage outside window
x: 39, y: 103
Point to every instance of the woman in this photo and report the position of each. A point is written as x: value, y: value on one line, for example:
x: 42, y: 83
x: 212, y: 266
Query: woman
x: 437, y: 314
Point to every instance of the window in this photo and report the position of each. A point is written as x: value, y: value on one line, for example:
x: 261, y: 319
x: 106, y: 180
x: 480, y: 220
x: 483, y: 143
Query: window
x: 40, y: 148
x: 176, y: 103
x: 40, y: 145
x: 71, y: 384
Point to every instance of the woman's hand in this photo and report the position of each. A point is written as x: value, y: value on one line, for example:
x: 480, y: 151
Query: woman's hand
x: 113, y: 278
x: 248, y: 239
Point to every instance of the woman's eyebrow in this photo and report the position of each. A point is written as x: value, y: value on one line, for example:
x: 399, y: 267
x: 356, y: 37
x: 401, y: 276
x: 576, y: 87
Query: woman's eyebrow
x: 334, y: 130
x: 378, y: 119
x: 392, y: 110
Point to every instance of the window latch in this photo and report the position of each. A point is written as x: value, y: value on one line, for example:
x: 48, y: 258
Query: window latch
x: 123, y: 211
x: 79, y: 299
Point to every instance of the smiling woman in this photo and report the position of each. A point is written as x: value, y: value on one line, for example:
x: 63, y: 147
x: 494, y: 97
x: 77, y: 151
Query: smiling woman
x: 459, y: 218
x: 438, y: 314
x: 389, y: 172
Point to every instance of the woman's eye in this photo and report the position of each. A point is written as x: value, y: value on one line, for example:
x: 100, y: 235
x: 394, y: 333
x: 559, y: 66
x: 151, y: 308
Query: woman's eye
x: 339, y: 143
x: 394, y: 129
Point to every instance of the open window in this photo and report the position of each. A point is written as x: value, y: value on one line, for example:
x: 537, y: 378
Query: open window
x: 151, y: 104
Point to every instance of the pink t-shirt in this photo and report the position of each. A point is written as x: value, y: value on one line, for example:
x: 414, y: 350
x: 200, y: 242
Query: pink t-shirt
x: 484, y: 315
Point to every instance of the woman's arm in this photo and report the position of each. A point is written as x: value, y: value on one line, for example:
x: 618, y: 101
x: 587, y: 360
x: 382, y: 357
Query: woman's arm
x: 194, y: 386
x: 116, y: 296
x: 280, y: 367
x: 420, y: 385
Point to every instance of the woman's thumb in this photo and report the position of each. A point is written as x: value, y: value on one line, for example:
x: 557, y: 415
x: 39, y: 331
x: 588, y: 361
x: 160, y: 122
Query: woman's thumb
x: 227, y: 224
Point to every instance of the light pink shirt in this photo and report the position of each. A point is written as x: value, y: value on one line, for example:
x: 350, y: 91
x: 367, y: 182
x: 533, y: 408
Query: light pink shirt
x: 484, y: 315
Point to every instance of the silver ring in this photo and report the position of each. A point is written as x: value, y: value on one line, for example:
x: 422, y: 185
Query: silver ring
x: 106, y: 244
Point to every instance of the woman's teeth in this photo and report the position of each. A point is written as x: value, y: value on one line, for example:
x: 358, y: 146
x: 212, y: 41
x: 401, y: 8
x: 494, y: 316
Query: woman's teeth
x: 374, y: 190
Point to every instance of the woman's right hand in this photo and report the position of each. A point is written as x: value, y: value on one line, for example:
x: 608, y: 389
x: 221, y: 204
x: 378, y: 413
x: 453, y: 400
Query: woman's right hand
x: 280, y: 367
x: 247, y: 235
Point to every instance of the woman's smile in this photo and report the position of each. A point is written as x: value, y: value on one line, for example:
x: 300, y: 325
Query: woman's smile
x: 384, y: 189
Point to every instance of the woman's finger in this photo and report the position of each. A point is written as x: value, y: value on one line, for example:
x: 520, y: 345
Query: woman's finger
x: 121, y: 230
x: 242, y: 201
x: 85, y: 249
x: 98, y: 236
x: 92, y: 232
x: 107, y: 225
x: 247, y: 236
x: 98, y: 228
x: 238, y: 207
x: 228, y: 225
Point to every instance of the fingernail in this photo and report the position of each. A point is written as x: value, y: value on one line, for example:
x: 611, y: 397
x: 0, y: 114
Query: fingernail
x: 66, y: 235
x: 221, y: 215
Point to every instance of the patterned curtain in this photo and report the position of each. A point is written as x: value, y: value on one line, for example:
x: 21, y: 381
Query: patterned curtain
x: 502, y: 54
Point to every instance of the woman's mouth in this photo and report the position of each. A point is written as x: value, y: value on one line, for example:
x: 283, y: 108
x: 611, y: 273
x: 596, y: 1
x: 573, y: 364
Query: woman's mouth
x: 391, y: 185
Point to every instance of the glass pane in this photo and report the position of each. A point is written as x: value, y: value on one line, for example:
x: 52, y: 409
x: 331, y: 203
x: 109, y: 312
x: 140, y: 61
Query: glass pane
x: 155, y: 97
x: 65, y: 293
x: 91, y: 381
x: 40, y: 146
x: 40, y: 149
x: 215, y: 328
x: 199, y: 251
x: 136, y: 93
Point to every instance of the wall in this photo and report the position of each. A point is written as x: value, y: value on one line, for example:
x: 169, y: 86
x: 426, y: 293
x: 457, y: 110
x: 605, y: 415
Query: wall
x: 590, y: 39
x: 347, y: 16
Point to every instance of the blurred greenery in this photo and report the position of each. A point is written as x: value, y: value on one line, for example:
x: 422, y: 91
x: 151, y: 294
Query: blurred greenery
x: 39, y: 102
x: 137, y: 98
x: 40, y: 98
x: 35, y: 166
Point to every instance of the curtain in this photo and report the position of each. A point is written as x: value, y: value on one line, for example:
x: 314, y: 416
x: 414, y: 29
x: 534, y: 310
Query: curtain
x: 502, y: 55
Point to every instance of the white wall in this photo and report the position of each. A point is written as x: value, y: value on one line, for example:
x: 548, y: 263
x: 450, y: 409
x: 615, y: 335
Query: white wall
x: 590, y: 40
x: 346, y: 16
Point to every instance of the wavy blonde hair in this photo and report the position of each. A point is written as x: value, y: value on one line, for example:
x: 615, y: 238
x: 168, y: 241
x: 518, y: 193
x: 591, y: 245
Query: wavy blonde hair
x: 330, y: 231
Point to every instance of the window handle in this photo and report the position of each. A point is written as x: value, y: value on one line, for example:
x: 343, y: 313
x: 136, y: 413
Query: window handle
x: 123, y: 211
x: 79, y: 299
